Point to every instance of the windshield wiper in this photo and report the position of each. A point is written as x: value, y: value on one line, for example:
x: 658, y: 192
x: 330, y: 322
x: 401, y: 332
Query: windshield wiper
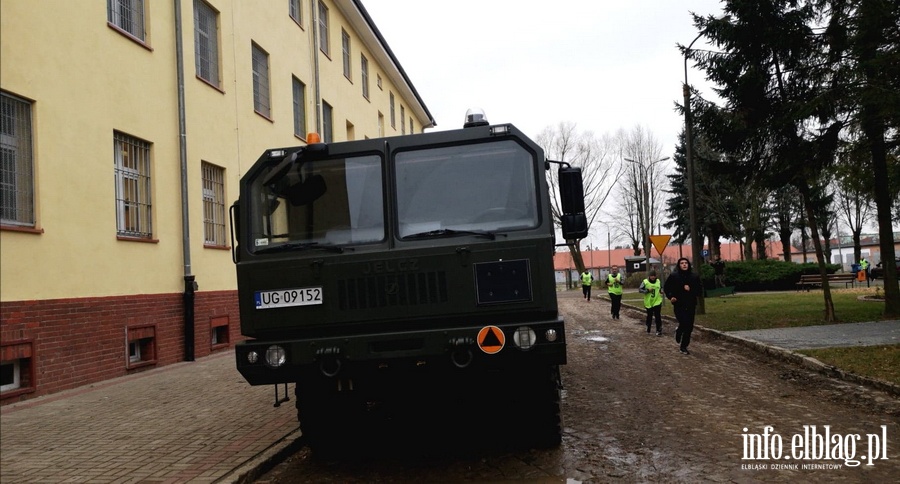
x: 301, y: 246
x: 450, y: 233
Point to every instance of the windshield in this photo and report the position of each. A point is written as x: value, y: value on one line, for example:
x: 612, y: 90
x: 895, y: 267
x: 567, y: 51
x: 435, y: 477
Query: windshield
x: 319, y: 203
x: 487, y: 187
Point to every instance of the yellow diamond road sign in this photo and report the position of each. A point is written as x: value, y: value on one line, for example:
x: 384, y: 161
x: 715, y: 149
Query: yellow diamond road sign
x: 660, y: 242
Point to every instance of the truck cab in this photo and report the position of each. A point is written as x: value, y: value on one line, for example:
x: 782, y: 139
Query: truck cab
x: 364, y: 266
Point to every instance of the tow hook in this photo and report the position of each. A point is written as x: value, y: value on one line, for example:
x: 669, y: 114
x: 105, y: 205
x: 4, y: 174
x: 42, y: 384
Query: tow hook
x: 329, y: 361
x: 461, y: 354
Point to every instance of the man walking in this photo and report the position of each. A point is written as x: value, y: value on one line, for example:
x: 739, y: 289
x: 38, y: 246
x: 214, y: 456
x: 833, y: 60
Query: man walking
x: 650, y: 288
x: 586, y: 280
x: 614, y: 287
x: 683, y: 288
x: 719, y: 268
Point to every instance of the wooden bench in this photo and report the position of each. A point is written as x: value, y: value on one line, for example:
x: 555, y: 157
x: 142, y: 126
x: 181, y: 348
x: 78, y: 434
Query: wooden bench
x: 808, y: 281
x: 719, y: 291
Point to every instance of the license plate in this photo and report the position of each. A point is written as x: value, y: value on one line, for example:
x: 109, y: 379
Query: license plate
x: 284, y: 298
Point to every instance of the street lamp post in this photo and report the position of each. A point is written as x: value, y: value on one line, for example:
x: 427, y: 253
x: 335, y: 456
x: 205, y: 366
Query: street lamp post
x: 689, y: 161
x: 645, y: 189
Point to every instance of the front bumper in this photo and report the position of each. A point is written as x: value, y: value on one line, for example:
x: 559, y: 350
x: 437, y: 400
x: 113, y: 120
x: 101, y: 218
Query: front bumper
x: 454, y: 349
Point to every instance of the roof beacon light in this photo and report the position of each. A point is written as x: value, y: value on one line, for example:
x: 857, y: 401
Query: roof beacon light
x: 475, y: 117
x: 312, y: 138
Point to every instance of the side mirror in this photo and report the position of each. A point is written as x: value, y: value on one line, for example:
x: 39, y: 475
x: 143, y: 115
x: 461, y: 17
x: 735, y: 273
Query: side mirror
x: 571, y: 194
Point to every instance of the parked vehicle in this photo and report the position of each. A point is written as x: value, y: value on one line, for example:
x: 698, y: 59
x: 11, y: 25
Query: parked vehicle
x: 418, y: 263
x: 877, y: 272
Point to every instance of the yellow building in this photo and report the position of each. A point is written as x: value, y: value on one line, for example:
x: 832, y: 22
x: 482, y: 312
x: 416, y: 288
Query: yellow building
x: 125, y: 127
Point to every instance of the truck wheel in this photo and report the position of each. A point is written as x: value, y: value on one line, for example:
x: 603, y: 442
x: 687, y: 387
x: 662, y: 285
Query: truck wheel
x: 545, y: 409
x: 326, y: 417
x: 535, y: 405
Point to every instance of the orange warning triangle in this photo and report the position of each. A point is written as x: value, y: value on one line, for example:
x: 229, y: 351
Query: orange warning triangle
x: 660, y: 242
x: 491, y: 339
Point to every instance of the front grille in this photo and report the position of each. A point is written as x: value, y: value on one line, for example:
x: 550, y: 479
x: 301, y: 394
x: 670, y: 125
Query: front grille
x: 393, y: 290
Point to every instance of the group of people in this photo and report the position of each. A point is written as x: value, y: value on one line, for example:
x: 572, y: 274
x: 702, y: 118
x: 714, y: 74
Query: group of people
x: 682, y: 288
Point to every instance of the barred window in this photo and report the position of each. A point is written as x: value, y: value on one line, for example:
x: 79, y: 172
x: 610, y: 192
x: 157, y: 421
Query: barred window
x: 127, y: 15
x: 206, y: 42
x: 299, y: 108
x: 364, y: 72
x: 213, y: 204
x: 323, y: 29
x: 345, y: 49
x: 16, y: 163
x: 261, y: 81
x: 132, y: 166
x: 295, y: 12
x: 402, y: 120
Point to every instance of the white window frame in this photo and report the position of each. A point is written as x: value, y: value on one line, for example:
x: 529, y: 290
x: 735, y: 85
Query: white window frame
x: 206, y: 42
x: 17, y: 376
x: 393, y: 116
x: 16, y: 162
x: 299, y: 98
x: 260, y: 66
x: 128, y: 16
x: 345, y: 51
x: 327, y: 122
x: 295, y: 10
x: 364, y: 73
x: 213, y: 180
x: 132, y: 180
x: 323, y: 29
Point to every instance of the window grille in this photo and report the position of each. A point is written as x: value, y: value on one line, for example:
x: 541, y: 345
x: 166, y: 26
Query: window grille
x: 323, y: 29
x: 132, y: 167
x: 127, y: 15
x: 206, y: 42
x: 299, y: 108
x: 402, y: 120
x: 16, y: 163
x: 213, y: 204
x: 261, y: 81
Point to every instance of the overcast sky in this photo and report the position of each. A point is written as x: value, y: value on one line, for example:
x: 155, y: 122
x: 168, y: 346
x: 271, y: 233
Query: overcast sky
x: 601, y: 64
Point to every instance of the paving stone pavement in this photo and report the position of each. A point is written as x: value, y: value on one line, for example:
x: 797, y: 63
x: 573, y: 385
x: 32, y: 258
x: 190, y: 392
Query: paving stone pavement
x: 827, y: 336
x: 201, y: 422
x: 187, y: 422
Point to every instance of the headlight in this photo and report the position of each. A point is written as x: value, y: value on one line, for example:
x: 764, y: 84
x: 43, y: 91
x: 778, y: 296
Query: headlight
x: 550, y: 335
x: 275, y: 356
x: 252, y: 357
x: 524, y: 337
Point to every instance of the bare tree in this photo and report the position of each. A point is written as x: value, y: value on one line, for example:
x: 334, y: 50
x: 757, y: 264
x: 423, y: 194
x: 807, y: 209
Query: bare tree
x: 852, y: 208
x: 596, y: 158
x: 644, y: 182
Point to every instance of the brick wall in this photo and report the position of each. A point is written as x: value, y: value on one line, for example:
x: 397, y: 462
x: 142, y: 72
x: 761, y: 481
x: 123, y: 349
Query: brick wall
x: 75, y: 342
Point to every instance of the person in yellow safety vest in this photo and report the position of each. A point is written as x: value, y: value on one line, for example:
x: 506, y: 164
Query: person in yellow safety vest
x: 864, y: 267
x: 650, y: 288
x: 586, y: 280
x: 614, y: 286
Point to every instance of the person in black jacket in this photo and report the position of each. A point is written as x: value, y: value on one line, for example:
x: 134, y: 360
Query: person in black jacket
x: 682, y: 289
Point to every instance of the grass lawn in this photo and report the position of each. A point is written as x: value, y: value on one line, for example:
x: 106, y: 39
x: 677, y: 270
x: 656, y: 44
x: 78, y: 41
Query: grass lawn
x: 881, y: 362
x: 792, y: 309
x: 778, y: 309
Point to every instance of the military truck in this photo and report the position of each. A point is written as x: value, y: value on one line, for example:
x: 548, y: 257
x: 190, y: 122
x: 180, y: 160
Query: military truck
x: 415, y: 264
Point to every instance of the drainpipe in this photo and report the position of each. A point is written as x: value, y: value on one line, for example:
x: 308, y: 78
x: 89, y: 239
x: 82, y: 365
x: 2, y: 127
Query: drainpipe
x: 190, y: 286
x: 315, y: 53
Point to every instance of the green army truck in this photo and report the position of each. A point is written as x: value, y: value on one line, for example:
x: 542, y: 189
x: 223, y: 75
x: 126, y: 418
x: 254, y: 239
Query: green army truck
x: 412, y: 264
